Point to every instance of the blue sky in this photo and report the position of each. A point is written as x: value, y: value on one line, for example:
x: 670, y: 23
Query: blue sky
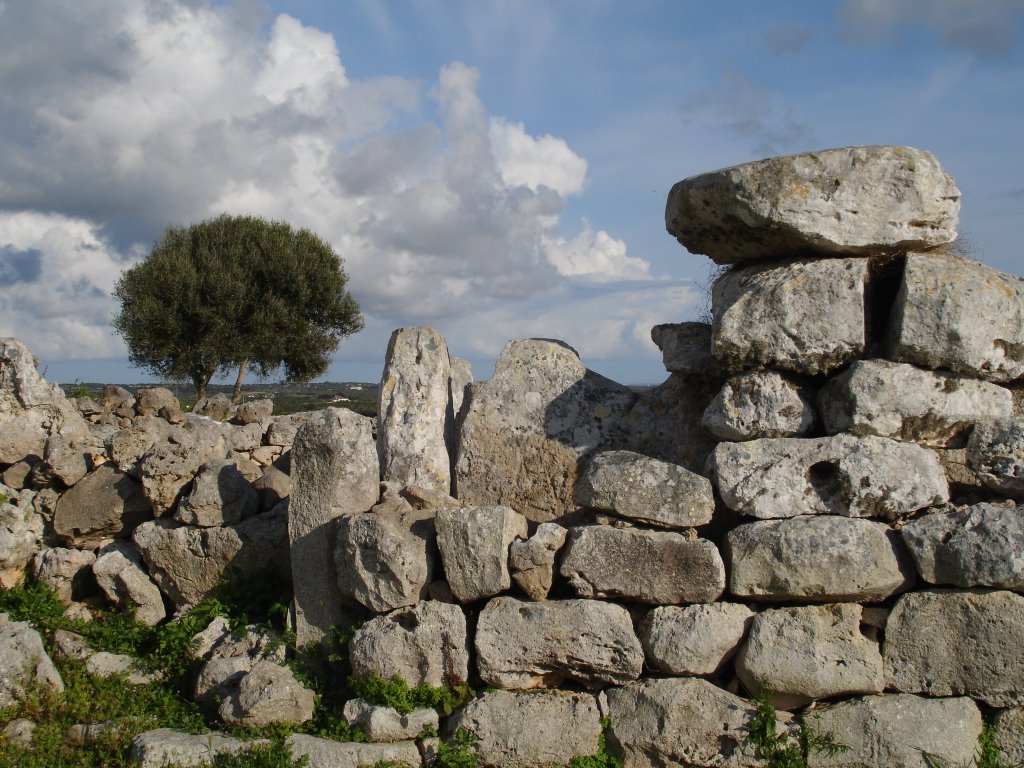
x: 496, y: 170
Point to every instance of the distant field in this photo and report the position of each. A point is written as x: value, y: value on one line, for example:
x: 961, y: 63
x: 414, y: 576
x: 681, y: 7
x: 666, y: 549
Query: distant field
x: 288, y: 398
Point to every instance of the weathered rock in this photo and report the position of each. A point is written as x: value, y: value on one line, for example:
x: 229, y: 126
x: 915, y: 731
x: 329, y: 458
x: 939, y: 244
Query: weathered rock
x: 267, y: 694
x: 840, y: 475
x: 824, y: 558
x: 977, y: 546
x: 245, y: 438
x: 106, y: 504
x: 686, y: 348
x: 996, y: 453
x: 385, y: 560
x: 660, y: 567
x: 878, y: 397
x: 387, y: 724
x: 527, y: 428
x: 695, y: 640
x: 254, y: 411
x: 522, y: 644
x: 16, y: 476
x: 119, y: 573
x: 804, y: 315
x: 758, y: 404
x: 474, y: 543
x: 21, y: 533
x: 850, y: 201
x: 646, y: 490
x: 794, y: 656
x: 229, y: 656
x: 976, y: 328
x: 458, y: 386
x: 23, y: 660
x: 532, y: 562
x: 106, y: 664
x: 1008, y: 725
x: 18, y: 732
x: 273, y: 486
x: 165, y: 746
x: 67, y: 458
x: 423, y: 644
x: 336, y: 471
x: 524, y: 730
x: 170, y: 465
x: 217, y: 407
x: 220, y: 495
x: 942, y: 643
x: 71, y: 645
x: 898, y: 729
x: 118, y: 400
x: 283, y: 429
x: 412, y: 408
x: 128, y: 445
x: 149, y: 401
x: 658, y: 723
x: 326, y: 753
x: 67, y: 571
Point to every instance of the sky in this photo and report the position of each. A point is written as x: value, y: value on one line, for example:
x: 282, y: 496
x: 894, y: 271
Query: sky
x: 494, y: 169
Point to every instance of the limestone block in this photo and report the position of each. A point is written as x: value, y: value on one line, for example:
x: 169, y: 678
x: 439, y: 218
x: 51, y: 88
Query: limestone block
x: 532, y: 562
x: 21, y: 534
x: 524, y: 730
x: 695, y: 640
x: 527, y: 428
x: 217, y: 407
x: 282, y: 430
x: 384, y: 559
x: 1009, y: 734
x: 128, y: 445
x: 816, y: 559
x: 977, y: 546
x: 220, y: 495
x: 254, y: 411
x: 387, y: 724
x: 245, y: 438
x: 169, y: 467
x: 412, y: 407
x: 228, y: 656
x: 266, y: 695
x: 794, y: 656
x: 943, y: 643
x: 426, y: 643
x: 660, y: 567
x: 149, y: 401
x: 106, y: 664
x: 67, y: 458
x: 23, y: 660
x: 848, y: 201
x: 105, y: 504
x: 685, y: 347
x: 522, y: 644
x: 119, y: 573
x: 335, y: 471
x: 839, y: 475
x: 897, y: 729
x: 691, y: 722
x: 878, y: 397
x: 67, y: 571
x: 758, y: 404
x: 165, y: 746
x: 474, y: 543
x: 326, y: 753
x: 959, y: 315
x: 647, y: 490
x: 995, y: 452
x: 803, y: 315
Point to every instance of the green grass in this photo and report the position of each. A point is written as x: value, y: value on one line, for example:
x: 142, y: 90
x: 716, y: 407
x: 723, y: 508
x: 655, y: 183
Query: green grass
x: 397, y: 694
x: 785, y: 751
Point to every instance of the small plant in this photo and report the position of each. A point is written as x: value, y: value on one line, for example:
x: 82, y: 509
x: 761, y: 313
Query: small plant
x: 988, y: 755
x: 4, y: 498
x: 457, y: 753
x: 397, y: 694
x: 601, y: 758
x: 786, y: 751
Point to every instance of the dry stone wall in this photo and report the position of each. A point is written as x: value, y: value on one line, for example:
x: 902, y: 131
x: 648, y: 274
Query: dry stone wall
x: 821, y: 506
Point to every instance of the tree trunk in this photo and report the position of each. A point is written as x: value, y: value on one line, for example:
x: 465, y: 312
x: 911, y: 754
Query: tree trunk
x: 200, y: 381
x: 236, y: 393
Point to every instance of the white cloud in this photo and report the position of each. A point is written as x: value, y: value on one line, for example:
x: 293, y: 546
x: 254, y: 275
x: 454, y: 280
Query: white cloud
x: 597, y: 257
x: 532, y: 162
x: 302, y: 65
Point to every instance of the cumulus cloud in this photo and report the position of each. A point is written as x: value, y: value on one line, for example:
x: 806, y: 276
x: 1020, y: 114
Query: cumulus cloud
x: 128, y: 117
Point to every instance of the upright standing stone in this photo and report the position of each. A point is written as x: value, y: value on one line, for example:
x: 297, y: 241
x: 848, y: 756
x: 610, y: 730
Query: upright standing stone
x: 413, y: 403
x: 336, y: 471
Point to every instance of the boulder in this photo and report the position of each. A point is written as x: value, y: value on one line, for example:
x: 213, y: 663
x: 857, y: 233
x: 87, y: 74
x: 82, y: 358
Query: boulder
x: 685, y: 347
x: 426, y: 643
x: 995, y: 452
x: 254, y: 411
x: 523, y: 730
x: 229, y: 656
x: 119, y: 573
x: 695, y: 640
x: 106, y: 504
x: 532, y: 562
x: 282, y: 429
x: 23, y: 661
x: 646, y: 490
x: 106, y: 664
x: 817, y: 559
x: 68, y: 457
x: 245, y: 438
x: 335, y: 471
x: 165, y: 746
x: 474, y: 543
x: 523, y: 644
x: 67, y: 571
x: 268, y: 694
x: 274, y: 485
x: 794, y: 656
x: 128, y: 445
x: 862, y: 201
x: 217, y: 407
x: 660, y: 567
x: 527, y: 428
x: 943, y: 643
x: 976, y: 328
x: 21, y: 534
x: 220, y: 495
x: 977, y: 546
x: 840, y: 475
x: 899, y: 729
x: 169, y: 467
x: 387, y: 724
x: 657, y: 723
x: 758, y: 404
x: 803, y: 315
x: 878, y: 397
x: 18, y: 732
x: 149, y: 401
x: 327, y: 753
x: 1008, y: 725
x: 412, y: 408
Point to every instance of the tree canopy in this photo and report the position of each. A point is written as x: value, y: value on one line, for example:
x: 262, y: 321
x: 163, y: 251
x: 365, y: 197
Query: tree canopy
x: 235, y: 292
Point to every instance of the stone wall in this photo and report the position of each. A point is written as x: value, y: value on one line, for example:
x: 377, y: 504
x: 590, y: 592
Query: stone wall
x: 819, y: 507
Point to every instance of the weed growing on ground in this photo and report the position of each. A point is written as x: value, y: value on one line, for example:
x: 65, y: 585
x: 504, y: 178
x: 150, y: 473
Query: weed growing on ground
x: 600, y: 759
x: 786, y: 751
x: 4, y: 498
x: 457, y: 753
x: 397, y: 694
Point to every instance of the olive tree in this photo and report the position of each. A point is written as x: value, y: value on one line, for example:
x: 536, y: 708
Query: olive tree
x: 235, y: 292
